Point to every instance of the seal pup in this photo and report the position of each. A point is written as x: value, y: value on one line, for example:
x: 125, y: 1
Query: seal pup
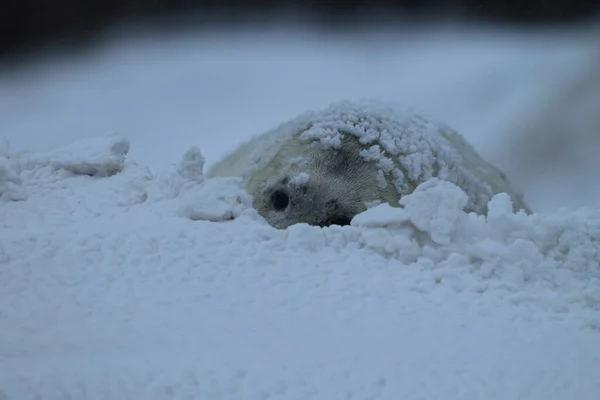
x: 324, y: 167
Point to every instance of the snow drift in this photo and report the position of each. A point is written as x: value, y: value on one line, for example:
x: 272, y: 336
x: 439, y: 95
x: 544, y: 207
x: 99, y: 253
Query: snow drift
x: 117, y: 282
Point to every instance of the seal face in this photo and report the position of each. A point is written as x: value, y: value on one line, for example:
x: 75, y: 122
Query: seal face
x: 323, y: 168
x: 285, y: 204
x: 328, y: 188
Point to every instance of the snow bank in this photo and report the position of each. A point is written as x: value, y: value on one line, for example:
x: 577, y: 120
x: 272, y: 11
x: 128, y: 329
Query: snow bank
x: 120, y: 283
x: 10, y: 182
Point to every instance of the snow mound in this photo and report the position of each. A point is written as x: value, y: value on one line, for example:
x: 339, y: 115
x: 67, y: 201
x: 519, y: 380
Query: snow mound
x: 98, y: 156
x: 120, y: 283
x: 10, y: 183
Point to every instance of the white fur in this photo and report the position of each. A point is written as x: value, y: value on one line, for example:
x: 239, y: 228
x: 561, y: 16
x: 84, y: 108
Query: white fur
x: 352, y: 154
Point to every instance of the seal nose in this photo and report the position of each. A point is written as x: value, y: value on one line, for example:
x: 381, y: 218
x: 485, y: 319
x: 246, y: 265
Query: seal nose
x: 341, y: 220
x: 335, y: 216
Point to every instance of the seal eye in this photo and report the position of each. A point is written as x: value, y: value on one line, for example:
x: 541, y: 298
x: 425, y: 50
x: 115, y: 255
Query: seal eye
x: 280, y: 200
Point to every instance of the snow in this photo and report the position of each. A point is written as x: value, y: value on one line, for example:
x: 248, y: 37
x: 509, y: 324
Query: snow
x: 136, y: 285
x: 125, y: 273
x: 301, y: 179
x: 87, y: 158
x: 9, y: 176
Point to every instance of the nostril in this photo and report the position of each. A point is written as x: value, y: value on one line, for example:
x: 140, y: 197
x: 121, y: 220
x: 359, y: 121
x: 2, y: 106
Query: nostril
x: 280, y: 200
x: 340, y: 220
x: 335, y: 215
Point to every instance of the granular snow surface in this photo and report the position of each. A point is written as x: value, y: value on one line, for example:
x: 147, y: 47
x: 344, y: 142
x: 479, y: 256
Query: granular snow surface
x: 118, y: 282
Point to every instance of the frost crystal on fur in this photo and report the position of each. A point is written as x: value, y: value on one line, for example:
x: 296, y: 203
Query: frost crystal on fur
x: 415, y: 143
x: 301, y: 179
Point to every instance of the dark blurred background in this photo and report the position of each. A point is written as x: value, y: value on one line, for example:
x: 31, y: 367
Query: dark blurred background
x: 27, y: 24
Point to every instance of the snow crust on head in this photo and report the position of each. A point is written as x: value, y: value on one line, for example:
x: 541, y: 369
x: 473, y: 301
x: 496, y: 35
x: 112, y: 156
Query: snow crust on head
x: 392, y: 130
x: 122, y: 286
x: 301, y: 179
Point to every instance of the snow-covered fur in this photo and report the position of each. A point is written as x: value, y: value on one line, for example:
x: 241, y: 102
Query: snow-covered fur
x: 324, y: 167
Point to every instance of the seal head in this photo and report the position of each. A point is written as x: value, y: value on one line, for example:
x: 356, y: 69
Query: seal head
x: 329, y: 187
